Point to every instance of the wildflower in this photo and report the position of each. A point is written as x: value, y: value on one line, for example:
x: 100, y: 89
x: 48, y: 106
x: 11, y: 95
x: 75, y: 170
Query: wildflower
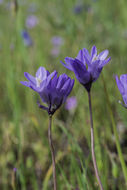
x: 52, y: 89
x: 26, y: 38
x: 71, y: 103
x: 122, y: 86
x: 57, y: 41
x: 31, y: 21
x: 15, y: 169
x: 87, y: 67
x: 78, y: 8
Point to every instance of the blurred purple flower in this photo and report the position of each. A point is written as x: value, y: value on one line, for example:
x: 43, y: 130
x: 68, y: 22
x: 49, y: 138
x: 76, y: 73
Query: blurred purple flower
x: 15, y: 169
x: 31, y: 21
x: 71, y: 103
x: 57, y: 41
x: 55, y: 52
x: 122, y: 86
x: 1, y: 1
x: 26, y: 38
x: 53, y: 90
x: 78, y: 8
x: 87, y: 67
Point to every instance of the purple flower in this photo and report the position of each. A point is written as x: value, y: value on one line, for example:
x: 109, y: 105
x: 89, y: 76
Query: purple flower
x: 31, y: 21
x: 15, y: 169
x: 122, y: 86
x: 78, y: 8
x: 87, y: 67
x: 52, y: 89
x: 71, y: 103
x: 57, y: 41
x: 26, y: 38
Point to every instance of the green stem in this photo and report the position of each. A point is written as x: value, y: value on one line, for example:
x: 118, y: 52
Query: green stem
x: 124, y: 168
x: 52, y: 151
x: 92, y: 144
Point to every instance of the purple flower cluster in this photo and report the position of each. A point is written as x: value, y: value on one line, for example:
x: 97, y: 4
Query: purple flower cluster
x: 52, y: 89
x: 87, y: 66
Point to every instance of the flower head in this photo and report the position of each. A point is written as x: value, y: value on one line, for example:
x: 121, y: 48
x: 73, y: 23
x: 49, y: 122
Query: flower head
x: 122, y: 86
x: 87, y: 67
x: 52, y: 89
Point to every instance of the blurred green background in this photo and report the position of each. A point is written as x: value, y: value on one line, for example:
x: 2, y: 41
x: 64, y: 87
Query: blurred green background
x: 56, y: 29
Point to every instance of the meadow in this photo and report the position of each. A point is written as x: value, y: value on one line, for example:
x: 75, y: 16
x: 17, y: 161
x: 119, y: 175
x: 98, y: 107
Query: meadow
x: 36, y: 33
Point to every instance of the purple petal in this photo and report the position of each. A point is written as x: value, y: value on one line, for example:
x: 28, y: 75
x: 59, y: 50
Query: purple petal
x: 25, y: 83
x: 87, y: 55
x: 45, y: 96
x: 105, y: 62
x: 123, y: 80
x: 41, y: 73
x: 119, y: 85
x: 80, y: 56
x: 81, y: 72
x: 68, y: 61
x: 94, y: 70
x: 93, y: 52
x: 30, y: 78
x: 66, y: 85
x: 61, y: 80
x: 125, y: 99
x: 50, y: 77
x: 54, y: 81
x: 30, y: 85
x: 70, y: 87
x: 102, y: 56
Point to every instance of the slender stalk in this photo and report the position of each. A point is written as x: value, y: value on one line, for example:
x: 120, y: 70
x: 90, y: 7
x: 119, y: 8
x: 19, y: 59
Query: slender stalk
x: 92, y: 143
x: 52, y: 151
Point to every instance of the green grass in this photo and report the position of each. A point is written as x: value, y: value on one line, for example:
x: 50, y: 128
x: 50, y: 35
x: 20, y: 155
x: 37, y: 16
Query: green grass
x: 23, y: 129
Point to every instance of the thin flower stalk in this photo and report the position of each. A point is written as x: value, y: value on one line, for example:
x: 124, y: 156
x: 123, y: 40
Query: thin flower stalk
x: 92, y: 143
x: 52, y: 151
